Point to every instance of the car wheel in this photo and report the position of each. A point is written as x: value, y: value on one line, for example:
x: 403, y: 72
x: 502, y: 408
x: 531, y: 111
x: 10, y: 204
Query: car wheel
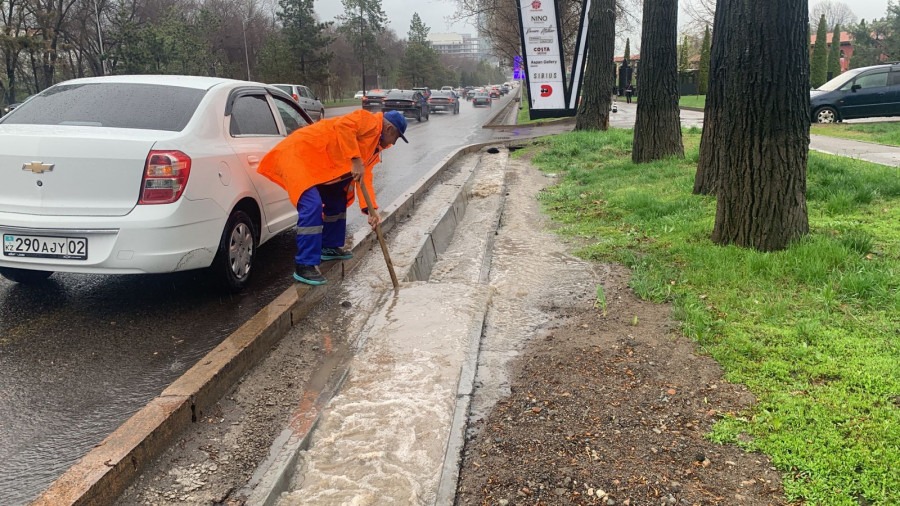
x: 321, y: 114
x: 419, y: 116
x: 24, y: 276
x: 826, y: 115
x: 234, y: 258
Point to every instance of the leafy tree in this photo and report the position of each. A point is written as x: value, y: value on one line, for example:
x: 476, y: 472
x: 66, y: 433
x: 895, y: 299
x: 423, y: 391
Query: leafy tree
x: 626, y: 56
x: 757, y: 148
x: 307, y: 40
x: 868, y: 42
x: 361, y: 23
x: 819, y: 63
x: 657, y: 127
x: 593, y: 111
x: 703, y: 85
x: 834, y: 55
x: 420, y: 65
x: 683, y: 55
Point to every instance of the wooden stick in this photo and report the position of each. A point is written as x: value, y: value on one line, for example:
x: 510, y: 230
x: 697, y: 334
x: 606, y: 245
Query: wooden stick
x: 384, y: 250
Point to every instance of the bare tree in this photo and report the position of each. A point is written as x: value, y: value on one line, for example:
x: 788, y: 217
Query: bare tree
x: 657, y: 127
x: 593, y: 112
x: 836, y: 13
x: 762, y: 144
x: 700, y: 14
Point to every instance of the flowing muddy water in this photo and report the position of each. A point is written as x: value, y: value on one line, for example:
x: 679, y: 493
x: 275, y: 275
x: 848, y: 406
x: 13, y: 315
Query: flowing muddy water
x: 383, y: 439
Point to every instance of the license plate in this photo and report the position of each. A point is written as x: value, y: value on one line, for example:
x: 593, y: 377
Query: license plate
x: 41, y: 246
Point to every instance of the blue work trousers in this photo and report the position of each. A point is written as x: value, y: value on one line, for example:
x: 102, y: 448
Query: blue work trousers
x: 321, y: 221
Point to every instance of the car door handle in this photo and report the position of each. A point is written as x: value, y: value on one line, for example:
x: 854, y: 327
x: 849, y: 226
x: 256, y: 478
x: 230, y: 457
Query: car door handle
x: 253, y: 160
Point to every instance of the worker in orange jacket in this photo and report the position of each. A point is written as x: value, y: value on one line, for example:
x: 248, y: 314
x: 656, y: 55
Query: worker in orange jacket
x: 320, y: 166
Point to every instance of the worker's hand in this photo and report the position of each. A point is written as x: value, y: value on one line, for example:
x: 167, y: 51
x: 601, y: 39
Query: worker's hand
x: 374, y: 218
x: 356, y: 169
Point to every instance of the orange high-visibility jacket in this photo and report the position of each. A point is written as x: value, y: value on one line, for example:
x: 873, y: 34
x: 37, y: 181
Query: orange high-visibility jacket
x: 321, y: 152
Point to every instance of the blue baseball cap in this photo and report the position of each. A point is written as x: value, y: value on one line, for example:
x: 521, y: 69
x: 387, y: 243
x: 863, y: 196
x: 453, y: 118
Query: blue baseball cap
x: 399, y: 121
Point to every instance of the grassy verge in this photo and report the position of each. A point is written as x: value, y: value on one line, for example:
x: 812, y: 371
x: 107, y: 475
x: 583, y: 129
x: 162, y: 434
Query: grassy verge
x: 695, y: 101
x: 342, y: 103
x: 813, y: 331
x: 879, y: 133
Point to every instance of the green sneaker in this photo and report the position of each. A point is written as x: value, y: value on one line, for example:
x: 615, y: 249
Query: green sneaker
x: 336, y: 254
x: 309, y: 274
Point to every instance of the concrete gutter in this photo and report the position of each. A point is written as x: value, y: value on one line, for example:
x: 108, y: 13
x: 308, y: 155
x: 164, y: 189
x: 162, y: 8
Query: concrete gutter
x: 272, y: 478
x: 501, y: 118
x: 103, y: 474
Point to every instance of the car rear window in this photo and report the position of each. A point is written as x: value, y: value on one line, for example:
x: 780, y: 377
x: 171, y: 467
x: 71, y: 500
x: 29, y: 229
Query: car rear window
x: 112, y: 105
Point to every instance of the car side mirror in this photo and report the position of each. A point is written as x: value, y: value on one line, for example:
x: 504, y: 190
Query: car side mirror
x: 855, y: 87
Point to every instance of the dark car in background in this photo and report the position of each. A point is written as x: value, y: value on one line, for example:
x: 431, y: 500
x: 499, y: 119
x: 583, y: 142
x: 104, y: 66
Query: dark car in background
x: 444, y: 101
x: 481, y: 98
x: 859, y: 93
x: 424, y: 90
x: 374, y: 99
x: 410, y: 102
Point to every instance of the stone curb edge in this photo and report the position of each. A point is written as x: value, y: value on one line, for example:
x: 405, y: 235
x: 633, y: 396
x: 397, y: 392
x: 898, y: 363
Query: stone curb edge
x: 102, y: 474
x: 275, y: 473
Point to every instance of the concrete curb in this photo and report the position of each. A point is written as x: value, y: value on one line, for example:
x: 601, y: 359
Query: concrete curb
x: 498, y: 120
x: 275, y: 473
x: 103, y: 474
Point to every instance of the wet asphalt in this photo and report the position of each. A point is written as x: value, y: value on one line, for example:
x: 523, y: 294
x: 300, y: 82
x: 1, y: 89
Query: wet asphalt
x: 81, y: 353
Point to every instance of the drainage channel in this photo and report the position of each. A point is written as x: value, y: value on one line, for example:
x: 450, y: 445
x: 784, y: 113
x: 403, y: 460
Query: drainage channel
x: 394, y: 432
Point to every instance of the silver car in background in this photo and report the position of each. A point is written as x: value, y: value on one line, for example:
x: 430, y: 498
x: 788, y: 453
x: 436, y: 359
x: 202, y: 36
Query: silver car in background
x: 304, y: 96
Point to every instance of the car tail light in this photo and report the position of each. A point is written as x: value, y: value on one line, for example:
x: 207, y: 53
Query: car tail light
x: 165, y: 177
x: 296, y: 98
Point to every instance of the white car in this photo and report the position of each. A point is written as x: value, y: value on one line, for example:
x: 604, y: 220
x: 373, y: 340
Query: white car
x: 142, y: 174
x: 359, y: 94
x: 304, y: 96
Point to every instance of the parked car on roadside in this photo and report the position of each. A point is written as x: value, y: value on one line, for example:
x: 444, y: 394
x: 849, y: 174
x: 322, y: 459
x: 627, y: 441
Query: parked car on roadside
x: 373, y: 99
x: 143, y: 174
x: 304, y: 96
x: 358, y: 95
x: 481, y: 98
x: 409, y: 102
x: 858, y: 93
x: 444, y: 101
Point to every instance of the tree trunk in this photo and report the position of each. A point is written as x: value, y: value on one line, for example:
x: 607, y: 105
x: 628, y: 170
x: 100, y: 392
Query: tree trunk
x: 707, y: 176
x: 762, y: 190
x: 593, y: 111
x: 657, y: 127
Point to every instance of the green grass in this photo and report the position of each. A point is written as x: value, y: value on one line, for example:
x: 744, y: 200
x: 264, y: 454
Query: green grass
x: 879, y: 133
x: 341, y: 103
x: 813, y: 331
x: 695, y: 101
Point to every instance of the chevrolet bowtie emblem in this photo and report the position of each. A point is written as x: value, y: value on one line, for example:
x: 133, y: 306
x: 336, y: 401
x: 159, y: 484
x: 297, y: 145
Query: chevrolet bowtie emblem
x: 38, y: 167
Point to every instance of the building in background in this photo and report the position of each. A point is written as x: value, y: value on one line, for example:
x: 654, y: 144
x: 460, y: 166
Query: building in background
x: 457, y: 44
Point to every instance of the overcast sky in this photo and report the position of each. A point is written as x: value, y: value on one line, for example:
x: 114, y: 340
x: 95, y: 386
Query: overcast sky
x: 435, y: 12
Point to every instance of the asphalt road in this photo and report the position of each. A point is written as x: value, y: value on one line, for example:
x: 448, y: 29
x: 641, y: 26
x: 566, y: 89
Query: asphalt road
x: 81, y: 353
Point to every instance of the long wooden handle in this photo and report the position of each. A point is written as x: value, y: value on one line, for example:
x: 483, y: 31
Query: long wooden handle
x: 384, y: 250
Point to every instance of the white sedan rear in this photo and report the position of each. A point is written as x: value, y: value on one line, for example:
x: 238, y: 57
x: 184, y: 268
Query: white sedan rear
x: 142, y: 174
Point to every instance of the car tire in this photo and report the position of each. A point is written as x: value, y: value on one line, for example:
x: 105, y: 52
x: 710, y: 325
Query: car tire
x: 419, y: 116
x: 234, y: 258
x: 826, y: 115
x: 321, y: 114
x: 24, y: 276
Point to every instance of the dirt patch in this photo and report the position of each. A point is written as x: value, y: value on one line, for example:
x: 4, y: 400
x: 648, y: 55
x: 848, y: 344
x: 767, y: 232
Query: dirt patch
x: 612, y: 409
